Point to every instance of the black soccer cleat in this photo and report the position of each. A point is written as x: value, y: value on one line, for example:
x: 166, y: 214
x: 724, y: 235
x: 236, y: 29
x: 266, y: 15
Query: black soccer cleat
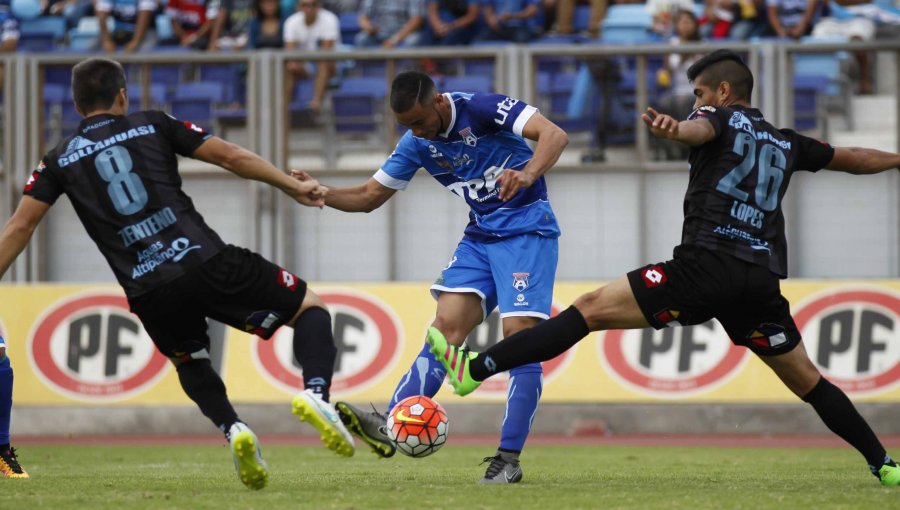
x: 368, y: 426
x: 501, y: 471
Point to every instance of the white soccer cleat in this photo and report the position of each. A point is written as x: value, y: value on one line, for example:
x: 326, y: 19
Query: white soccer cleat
x: 248, y: 461
x: 308, y: 406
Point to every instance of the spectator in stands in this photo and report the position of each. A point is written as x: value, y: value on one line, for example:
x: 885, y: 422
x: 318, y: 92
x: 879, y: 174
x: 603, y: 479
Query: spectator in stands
x: 450, y: 22
x: 663, y: 13
x: 71, y: 10
x: 131, y: 23
x: 266, y: 26
x: 860, y: 20
x: 390, y: 23
x: 510, y: 20
x: 9, y: 32
x: 9, y: 28
x: 231, y: 31
x: 718, y: 17
x: 793, y: 18
x: 312, y: 28
x: 192, y: 21
x: 565, y: 15
x: 752, y: 20
x: 679, y: 99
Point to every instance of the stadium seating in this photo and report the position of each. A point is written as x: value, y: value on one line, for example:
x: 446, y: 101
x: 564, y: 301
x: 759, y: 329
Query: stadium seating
x: 198, y: 111
x: 626, y: 24
x: 349, y: 22
x: 157, y: 95
x: 229, y: 75
x: 468, y: 83
x: 38, y: 42
x: 54, y: 25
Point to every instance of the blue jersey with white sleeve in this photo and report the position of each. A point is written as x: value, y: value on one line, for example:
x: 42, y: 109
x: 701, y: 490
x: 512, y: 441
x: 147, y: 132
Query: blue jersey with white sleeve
x: 484, y: 138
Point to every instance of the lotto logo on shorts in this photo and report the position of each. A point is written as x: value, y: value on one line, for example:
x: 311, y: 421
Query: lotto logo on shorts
x: 653, y: 276
x: 287, y: 280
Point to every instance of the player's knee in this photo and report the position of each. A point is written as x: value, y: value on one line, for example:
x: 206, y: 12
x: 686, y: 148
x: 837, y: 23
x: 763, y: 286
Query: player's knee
x: 590, y: 306
x: 512, y: 325
x: 451, y: 329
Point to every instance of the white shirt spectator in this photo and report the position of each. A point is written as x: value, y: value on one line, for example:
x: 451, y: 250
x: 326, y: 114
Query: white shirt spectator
x: 307, y: 37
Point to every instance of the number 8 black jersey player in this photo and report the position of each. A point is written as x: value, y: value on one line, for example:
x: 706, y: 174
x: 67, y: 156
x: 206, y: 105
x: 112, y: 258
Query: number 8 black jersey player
x: 121, y: 174
x: 729, y: 263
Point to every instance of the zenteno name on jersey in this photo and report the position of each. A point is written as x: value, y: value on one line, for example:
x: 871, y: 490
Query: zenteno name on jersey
x: 483, y: 138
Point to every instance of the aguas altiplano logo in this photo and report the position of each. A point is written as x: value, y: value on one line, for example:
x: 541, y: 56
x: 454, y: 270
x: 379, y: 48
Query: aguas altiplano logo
x: 367, y: 336
x: 90, y: 347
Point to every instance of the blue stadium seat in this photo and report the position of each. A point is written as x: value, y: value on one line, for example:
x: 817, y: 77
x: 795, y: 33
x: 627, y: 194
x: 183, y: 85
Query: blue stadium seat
x: 37, y: 42
x: 481, y: 84
x: 200, y: 90
x: 55, y: 25
x: 230, y: 76
x: 166, y: 74
x: 628, y: 14
x: 349, y: 22
x: 163, y: 25
x: 198, y: 111
x: 58, y: 74
x: 359, y: 104
x: 157, y: 93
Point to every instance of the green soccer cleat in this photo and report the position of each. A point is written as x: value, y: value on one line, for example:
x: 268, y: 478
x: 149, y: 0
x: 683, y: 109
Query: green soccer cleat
x: 889, y: 475
x: 309, y: 407
x: 248, y: 461
x: 455, y: 360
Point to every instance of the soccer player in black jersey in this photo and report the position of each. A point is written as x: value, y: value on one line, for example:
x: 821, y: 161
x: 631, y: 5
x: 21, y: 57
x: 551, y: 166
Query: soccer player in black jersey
x: 120, y: 172
x: 730, y: 260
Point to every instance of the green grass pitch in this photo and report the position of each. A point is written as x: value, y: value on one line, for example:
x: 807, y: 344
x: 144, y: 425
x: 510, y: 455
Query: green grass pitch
x: 556, y: 478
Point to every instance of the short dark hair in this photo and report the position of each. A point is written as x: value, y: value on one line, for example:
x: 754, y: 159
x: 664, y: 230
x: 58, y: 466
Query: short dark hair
x: 409, y: 88
x: 95, y: 83
x: 724, y: 65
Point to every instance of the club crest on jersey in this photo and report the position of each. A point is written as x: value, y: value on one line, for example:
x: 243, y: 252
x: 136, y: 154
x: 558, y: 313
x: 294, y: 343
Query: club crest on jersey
x: 439, y: 158
x: 287, y: 280
x: 520, y: 281
x: 469, y: 137
x: 194, y: 127
x: 740, y: 121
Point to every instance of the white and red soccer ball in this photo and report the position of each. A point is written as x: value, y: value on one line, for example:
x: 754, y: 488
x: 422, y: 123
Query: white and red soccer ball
x: 418, y: 425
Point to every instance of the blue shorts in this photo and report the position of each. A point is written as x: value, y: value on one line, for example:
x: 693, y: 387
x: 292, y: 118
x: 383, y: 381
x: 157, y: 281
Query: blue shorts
x: 516, y: 274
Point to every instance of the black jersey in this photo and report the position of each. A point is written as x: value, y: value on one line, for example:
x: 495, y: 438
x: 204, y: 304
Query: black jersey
x: 737, y: 182
x: 121, y: 174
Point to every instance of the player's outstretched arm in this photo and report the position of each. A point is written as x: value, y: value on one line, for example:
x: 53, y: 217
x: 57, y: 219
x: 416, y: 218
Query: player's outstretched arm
x: 363, y: 198
x: 859, y: 160
x: 18, y: 230
x: 689, y: 132
x: 248, y: 165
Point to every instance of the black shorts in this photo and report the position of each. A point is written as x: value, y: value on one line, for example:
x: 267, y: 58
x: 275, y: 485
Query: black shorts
x: 698, y: 285
x: 236, y: 286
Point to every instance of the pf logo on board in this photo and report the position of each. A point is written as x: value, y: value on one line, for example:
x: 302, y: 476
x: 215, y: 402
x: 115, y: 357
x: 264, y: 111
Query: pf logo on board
x: 91, y: 347
x: 853, y: 336
x: 672, y: 362
x: 367, y: 336
x: 489, y: 333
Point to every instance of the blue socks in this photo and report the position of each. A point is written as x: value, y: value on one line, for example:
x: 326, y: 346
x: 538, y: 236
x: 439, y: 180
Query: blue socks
x: 6, y: 387
x: 525, y: 385
x: 425, y: 377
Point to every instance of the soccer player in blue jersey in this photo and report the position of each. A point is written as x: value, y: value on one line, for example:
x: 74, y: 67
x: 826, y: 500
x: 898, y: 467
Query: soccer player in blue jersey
x: 474, y: 145
x: 9, y: 463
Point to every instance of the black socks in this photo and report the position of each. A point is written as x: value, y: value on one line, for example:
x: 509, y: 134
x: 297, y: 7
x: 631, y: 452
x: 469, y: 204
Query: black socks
x: 545, y: 341
x: 204, y: 386
x: 314, y: 349
x: 842, y: 418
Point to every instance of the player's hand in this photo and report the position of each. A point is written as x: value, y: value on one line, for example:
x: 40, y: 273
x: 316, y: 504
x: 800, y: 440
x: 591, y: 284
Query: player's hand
x: 661, y: 125
x: 311, y: 193
x: 300, y: 175
x: 511, y: 181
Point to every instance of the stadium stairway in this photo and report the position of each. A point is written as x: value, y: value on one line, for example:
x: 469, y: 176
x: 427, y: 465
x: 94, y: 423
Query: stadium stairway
x: 874, y: 124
